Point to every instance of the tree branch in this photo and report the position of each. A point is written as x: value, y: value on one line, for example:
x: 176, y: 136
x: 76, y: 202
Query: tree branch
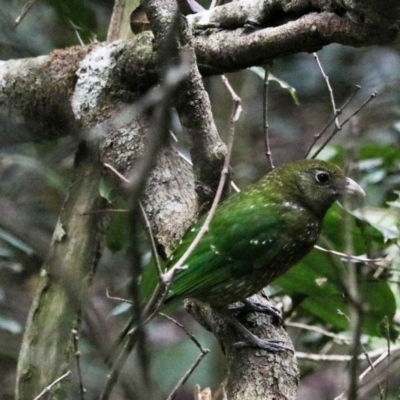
x: 35, y: 93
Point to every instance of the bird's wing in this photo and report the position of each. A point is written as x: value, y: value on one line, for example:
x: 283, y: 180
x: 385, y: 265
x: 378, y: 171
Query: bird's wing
x: 229, y: 249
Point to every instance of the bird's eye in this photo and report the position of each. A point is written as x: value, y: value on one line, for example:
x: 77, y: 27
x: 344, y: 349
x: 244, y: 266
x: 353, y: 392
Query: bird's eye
x: 322, y: 177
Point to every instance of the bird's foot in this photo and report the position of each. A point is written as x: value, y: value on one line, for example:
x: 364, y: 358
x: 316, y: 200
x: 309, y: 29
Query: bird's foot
x: 251, y: 340
x: 272, y: 345
x: 250, y: 305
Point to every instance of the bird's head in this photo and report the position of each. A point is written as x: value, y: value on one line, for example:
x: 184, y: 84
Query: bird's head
x: 316, y: 184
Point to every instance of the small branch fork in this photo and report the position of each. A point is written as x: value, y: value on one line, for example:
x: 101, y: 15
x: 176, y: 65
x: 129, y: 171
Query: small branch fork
x: 203, y: 353
x: 328, y: 84
x: 336, y: 113
x: 379, y: 262
x: 336, y: 130
x: 381, y: 353
x: 48, y: 388
x: 386, y: 353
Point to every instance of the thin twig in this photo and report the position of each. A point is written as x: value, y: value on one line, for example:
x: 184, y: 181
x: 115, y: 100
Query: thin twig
x: 107, y: 211
x: 25, y: 9
x: 120, y: 299
x: 268, y: 152
x: 189, y: 334
x: 150, y: 235
x: 145, y: 219
x: 330, y: 122
x: 236, y: 111
x: 233, y: 184
x: 386, y: 321
x: 75, y: 336
x: 117, y: 173
x: 372, y: 96
x: 370, y: 368
x: 48, y: 388
x: 382, y: 357
x: 318, y: 330
x: 187, y: 374
x: 203, y: 353
x: 380, y: 262
x: 328, y: 84
x: 382, y: 353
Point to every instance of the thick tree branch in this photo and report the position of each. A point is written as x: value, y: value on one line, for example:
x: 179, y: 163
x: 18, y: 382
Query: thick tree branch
x: 192, y: 102
x: 252, y: 373
x: 64, y: 285
x: 34, y: 93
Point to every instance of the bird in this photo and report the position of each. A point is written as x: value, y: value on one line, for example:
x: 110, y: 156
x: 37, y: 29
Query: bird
x: 255, y: 236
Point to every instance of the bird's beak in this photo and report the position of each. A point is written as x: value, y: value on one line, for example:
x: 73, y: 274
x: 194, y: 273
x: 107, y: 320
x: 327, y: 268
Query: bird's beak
x: 353, y: 188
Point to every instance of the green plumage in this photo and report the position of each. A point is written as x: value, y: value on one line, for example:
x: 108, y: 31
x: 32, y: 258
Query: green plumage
x: 258, y: 234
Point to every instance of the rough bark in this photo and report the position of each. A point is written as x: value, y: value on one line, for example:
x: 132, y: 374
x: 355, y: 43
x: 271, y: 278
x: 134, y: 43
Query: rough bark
x: 63, y: 287
x: 252, y: 374
x: 37, y: 109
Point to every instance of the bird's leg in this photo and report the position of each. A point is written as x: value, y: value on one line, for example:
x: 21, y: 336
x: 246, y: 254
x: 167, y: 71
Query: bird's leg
x: 251, y: 340
x: 250, y: 305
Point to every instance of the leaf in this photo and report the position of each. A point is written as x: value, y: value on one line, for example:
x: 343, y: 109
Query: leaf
x: 10, y: 325
x: 15, y: 242
x: 315, y: 279
x: 383, y: 219
x: 120, y: 309
x: 395, y: 203
x: 259, y: 71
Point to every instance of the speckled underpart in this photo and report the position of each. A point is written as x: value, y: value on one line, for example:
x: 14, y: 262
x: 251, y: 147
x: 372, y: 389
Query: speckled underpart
x: 258, y: 234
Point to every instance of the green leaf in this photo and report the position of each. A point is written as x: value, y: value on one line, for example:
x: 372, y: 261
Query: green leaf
x: 385, y: 220
x: 316, y: 280
x: 259, y: 71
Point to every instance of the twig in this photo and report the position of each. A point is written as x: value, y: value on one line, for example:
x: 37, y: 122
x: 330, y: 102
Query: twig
x: 328, y: 84
x: 107, y: 211
x: 167, y: 278
x: 25, y: 9
x: 382, y: 353
x: 75, y: 336
x: 189, y: 334
x: 146, y: 220
x: 236, y: 111
x: 151, y: 238
x: 117, y: 173
x: 233, y: 184
x: 203, y: 353
x: 318, y: 330
x: 372, y: 96
x: 389, y: 354
x: 370, y: 368
x: 120, y: 299
x: 187, y: 374
x: 48, y: 388
x: 339, y: 111
x: 380, y: 262
x: 382, y: 357
x: 265, y: 119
